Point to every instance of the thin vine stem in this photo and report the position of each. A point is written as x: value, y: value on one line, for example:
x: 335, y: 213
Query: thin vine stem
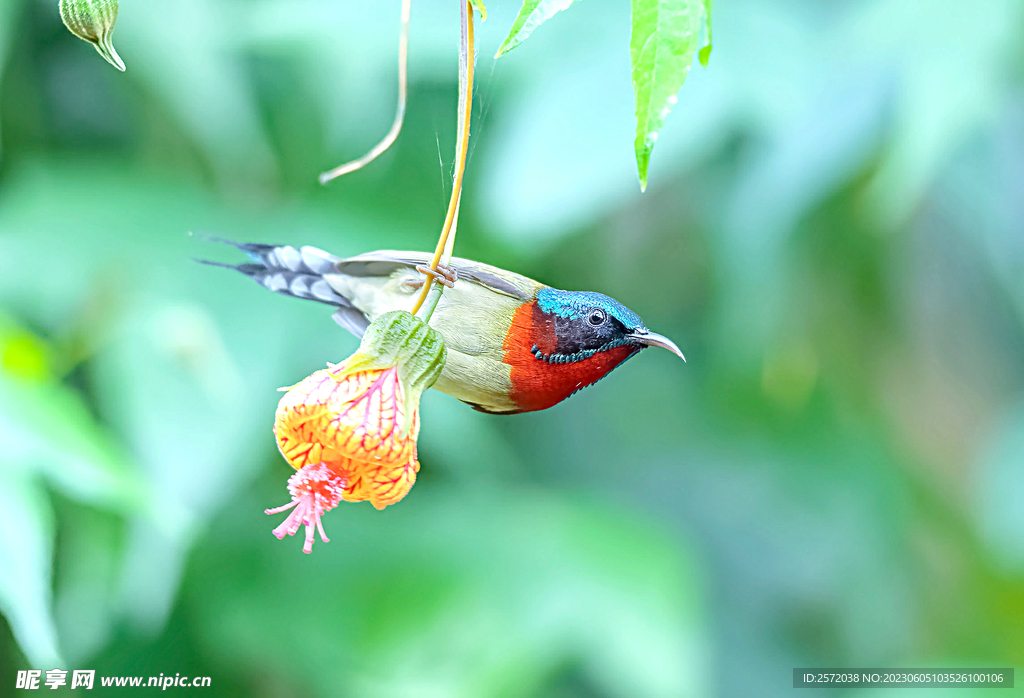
x: 437, y: 290
x: 466, y: 56
x: 396, y: 126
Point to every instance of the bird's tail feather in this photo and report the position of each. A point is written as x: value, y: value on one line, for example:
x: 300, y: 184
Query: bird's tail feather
x: 296, y: 272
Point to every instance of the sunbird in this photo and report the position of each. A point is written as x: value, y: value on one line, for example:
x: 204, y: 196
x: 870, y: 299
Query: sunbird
x: 514, y: 344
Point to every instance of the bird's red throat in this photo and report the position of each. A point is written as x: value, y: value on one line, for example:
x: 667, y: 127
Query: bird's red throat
x: 538, y: 384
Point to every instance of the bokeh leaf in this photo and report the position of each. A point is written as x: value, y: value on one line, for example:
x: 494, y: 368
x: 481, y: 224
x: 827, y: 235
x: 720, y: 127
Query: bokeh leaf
x: 184, y: 57
x: 532, y: 14
x: 46, y: 436
x: 26, y: 551
x: 665, y: 35
x: 1002, y: 481
x: 45, y: 427
x: 9, y: 10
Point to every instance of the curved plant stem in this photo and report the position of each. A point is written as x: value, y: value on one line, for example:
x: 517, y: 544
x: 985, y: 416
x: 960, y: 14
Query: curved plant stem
x: 466, y: 56
x: 396, y: 127
x: 437, y: 290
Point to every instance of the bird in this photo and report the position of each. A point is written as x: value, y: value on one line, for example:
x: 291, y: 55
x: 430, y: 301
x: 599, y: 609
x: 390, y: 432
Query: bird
x: 514, y: 344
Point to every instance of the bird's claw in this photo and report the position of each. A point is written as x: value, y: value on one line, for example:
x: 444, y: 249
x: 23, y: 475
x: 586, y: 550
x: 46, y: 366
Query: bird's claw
x: 443, y: 274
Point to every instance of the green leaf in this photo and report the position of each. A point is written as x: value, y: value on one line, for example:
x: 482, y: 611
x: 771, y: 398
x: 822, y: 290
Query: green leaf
x: 531, y: 15
x: 46, y: 427
x: 26, y: 558
x: 478, y: 5
x: 705, y: 52
x: 47, y: 435
x: 666, y: 34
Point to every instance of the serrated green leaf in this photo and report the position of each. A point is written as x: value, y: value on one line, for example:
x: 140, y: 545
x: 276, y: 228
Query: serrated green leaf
x: 478, y: 5
x: 532, y: 14
x: 666, y: 34
x: 704, y: 55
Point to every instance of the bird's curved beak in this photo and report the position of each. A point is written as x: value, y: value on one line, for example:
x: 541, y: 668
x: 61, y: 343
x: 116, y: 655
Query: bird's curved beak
x: 653, y: 339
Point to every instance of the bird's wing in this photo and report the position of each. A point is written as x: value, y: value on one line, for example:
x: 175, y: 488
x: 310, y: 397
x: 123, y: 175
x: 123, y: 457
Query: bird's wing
x: 384, y: 262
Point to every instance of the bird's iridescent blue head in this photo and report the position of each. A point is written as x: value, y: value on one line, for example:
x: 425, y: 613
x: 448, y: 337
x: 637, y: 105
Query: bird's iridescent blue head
x: 587, y: 323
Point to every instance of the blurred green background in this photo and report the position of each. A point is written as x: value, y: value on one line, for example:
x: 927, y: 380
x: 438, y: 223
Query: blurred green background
x: 834, y: 235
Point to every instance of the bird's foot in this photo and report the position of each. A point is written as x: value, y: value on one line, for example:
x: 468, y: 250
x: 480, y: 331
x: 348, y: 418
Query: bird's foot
x: 443, y: 274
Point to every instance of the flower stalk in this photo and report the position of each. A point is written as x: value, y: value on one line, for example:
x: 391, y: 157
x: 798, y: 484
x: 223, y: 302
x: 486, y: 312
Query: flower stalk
x: 444, y: 247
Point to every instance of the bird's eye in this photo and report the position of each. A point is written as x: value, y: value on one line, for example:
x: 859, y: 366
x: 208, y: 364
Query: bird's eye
x: 596, y: 317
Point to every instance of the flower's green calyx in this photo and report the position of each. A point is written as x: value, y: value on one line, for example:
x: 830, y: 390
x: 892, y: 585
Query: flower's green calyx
x: 93, y: 21
x: 399, y: 338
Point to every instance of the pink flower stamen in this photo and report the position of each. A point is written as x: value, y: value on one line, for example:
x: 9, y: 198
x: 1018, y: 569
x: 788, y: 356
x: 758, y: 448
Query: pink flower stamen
x: 315, y: 489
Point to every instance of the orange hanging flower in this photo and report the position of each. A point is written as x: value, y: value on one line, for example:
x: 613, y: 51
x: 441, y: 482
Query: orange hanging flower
x: 350, y: 429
